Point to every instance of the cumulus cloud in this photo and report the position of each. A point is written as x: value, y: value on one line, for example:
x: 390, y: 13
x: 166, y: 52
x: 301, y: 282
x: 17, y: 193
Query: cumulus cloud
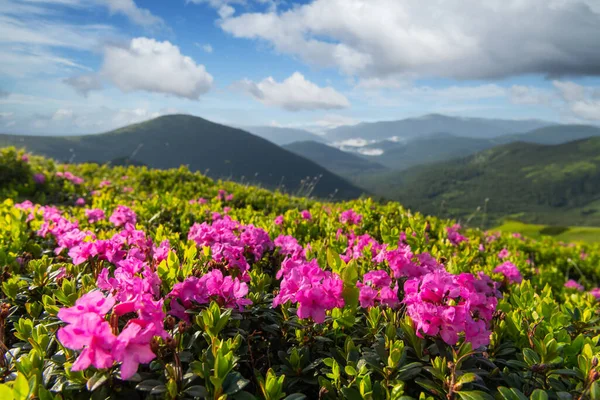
x: 153, y: 66
x: 583, y: 102
x: 139, y: 16
x: 520, y: 94
x: 207, y: 48
x: 462, y: 39
x: 295, y: 93
x: 84, y: 84
x: 331, y: 121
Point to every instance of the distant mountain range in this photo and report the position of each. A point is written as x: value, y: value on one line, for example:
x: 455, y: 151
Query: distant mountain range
x: 217, y: 150
x: 283, y: 136
x: 445, y: 146
x: 433, y: 123
x: 337, y: 161
x: 534, y: 171
x: 557, y: 184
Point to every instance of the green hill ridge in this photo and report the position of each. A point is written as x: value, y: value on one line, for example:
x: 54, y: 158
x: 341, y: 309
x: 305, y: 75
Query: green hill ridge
x: 217, y: 150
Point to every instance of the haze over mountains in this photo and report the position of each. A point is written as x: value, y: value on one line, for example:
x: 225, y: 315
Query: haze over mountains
x: 531, y: 170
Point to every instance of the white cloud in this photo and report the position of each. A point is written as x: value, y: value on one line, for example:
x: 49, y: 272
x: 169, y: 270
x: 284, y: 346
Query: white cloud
x: 331, y: 121
x: 153, y: 66
x: 6, y: 115
x: 226, y: 11
x: 84, y: 84
x: 62, y: 114
x: 588, y: 109
x: 570, y: 91
x: 139, y: 16
x: 520, y: 94
x: 294, y: 94
x: 464, y: 39
x: 207, y: 48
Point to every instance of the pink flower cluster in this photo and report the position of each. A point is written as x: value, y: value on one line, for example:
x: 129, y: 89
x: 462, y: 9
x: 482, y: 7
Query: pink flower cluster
x: 230, y: 241
x: 314, y: 290
x: 571, y: 284
x: 452, y: 305
x: 94, y: 215
x: 596, y: 293
x: 213, y: 286
x: 39, y: 178
x: 306, y: 215
x: 88, y: 330
x: 510, y: 272
x: 76, y: 180
x: 122, y: 216
x: 454, y: 236
x: 504, y: 253
x: 224, y: 196
x: 376, y: 289
x: 133, y: 287
x: 201, y: 200
x: 350, y: 217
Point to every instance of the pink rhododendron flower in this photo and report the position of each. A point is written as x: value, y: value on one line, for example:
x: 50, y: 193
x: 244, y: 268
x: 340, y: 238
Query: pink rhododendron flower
x: 504, y: 253
x: 104, y: 183
x: 80, y: 202
x: 596, y: 293
x: 306, y: 215
x: 350, y: 217
x: 510, y: 272
x: 127, y: 189
x: 454, y: 236
x: 447, y: 305
x: 94, y: 215
x: 571, y: 284
x: 375, y: 288
x: 278, y: 220
x: 39, y: 178
x: 25, y: 158
x: 123, y: 215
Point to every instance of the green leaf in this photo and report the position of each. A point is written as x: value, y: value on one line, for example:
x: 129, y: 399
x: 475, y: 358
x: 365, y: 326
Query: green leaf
x: 538, y: 394
x: 351, y: 394
x: 196, y: 391
x: 6, y: 393
x: 595, y: 390
x: 234, y: 383
x: 474, y: 395
x: 21, y: 388
x: 511, y: 394
x: 295, y: 396
x: 148, y: 385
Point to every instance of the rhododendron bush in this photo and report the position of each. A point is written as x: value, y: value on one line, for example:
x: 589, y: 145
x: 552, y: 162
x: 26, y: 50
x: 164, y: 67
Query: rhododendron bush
x: 135, y: 283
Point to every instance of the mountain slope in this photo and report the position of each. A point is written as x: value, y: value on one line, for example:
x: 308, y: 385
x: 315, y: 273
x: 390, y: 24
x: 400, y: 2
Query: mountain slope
x: 430, y: 149
x: 555, y: 134
x: 218, y: 150
x: 283, y: 136
x: 558, y: 184
x: 335, y: 160
x: 433, y: 123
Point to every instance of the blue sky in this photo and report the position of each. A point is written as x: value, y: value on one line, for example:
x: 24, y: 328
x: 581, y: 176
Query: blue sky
x: 79, y: 66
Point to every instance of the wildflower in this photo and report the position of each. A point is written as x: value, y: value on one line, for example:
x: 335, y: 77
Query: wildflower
x: 94, y: 215
x: 80, y: 201
x: 39, y: 178
x: 571, y: 284
x: 596, y: 293
x: 504, y: 253
x: 306, y: 215
x: 278, y: 220
x: 350, y: 217
x: 510, y: 272
x: 123, y: 215
x: 454, y: 236
x: 375, y: 287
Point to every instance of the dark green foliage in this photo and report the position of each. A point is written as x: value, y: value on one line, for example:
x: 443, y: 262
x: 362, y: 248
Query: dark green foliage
x: 553, y: 230
x: 536, y: 183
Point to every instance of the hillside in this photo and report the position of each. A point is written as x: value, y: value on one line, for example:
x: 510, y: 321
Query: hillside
x: 444, y: 146
x: 555, y: 134
x: 282, y: 136
x: 335, y: 160
x: 429, y: 149
x: 553, y: 184
x: 434, y: 123
x: 218, y: 150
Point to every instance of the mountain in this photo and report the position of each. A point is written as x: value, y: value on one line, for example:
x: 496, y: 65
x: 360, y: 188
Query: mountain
x: 554, y: 184
x: 555, y: 134
x: 444, y: 146
x: 426, y: 150
x: 217, y: 150
x: 283, y: 136
x: 335, y: 160
x: 433, y: 123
